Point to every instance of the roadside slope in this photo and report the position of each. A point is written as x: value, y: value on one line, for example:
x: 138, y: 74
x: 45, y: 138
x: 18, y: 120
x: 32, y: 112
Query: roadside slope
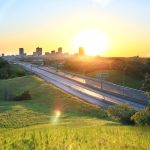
x: 46, y: 100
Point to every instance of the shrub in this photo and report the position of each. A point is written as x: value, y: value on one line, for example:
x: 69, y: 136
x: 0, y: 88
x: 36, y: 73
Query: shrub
x: 121, y: 113
x: 3, y: 73
x: 20, y: 73
x: 142, y: 117
x: 8, y: 71
x: 146, y: 84
x: 24, y: 96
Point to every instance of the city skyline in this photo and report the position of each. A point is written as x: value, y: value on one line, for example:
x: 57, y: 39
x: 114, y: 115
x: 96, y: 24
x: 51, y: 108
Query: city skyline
x: 51, y: 24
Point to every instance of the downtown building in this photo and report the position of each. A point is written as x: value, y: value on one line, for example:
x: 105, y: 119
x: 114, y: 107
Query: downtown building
x: 38, y: 52
x: 21, y: 52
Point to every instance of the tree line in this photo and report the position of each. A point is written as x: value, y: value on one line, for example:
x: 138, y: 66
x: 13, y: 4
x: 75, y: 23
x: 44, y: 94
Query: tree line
x: 8, y: 71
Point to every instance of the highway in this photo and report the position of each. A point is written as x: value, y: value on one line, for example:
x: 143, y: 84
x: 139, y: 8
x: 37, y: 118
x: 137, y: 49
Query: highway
x: 103, y: 86
x: 80, y: 89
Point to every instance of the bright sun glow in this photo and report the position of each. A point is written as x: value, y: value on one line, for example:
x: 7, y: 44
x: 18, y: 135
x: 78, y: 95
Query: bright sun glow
x: 93, y: 41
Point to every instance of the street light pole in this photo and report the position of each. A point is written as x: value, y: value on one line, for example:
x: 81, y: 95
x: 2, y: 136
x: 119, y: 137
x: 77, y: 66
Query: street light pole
x: 123, y: 80
x: 101, y: 83
x: 31, y: 68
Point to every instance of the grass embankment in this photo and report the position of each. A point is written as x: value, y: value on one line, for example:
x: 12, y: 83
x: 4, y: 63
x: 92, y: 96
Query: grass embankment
x: 45, y: 100
x: 117, y: 78
x: 78, y: 126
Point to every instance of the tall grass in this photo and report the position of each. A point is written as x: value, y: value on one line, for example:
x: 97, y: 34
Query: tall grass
x: 53, y: 137
x: 34, y: 125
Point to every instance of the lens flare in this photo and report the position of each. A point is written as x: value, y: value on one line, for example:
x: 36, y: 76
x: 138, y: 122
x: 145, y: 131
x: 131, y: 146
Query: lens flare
x: 56, y: 116
x: 58, y: 113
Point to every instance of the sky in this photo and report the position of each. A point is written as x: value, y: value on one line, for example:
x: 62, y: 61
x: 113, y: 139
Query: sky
x: 53, y: 23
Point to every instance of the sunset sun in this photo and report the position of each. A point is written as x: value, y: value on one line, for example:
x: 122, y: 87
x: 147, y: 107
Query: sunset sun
x: 93, y: 41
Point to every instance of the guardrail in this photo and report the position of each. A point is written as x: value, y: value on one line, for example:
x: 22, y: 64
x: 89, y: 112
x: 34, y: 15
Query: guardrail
x: 114, y: 88
x: 110, y: 87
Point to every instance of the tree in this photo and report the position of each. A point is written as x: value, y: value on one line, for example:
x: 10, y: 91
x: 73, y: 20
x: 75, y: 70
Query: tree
x: 121, y: 113
x: 24, y: 96
x: 142, y: 117
x: 3, y: 63
x: 146, y: 84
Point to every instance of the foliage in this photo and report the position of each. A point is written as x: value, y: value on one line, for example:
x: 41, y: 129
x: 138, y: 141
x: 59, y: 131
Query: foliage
x: 121, y: 113
x: 92, y: 135
x: 84, y: 66
x: 130, y: 66
x: 142, y: 117
x: 134, y: 68
x: 8, y: 71
x: 146, y: 84
x: 3, y: 63
x: 24, y: 96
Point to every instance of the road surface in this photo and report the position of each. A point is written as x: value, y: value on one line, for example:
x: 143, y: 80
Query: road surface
x: 81, y: 90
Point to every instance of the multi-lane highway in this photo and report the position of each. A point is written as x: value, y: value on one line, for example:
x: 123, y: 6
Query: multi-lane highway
x: 103, y: 86
x: 77, y: 86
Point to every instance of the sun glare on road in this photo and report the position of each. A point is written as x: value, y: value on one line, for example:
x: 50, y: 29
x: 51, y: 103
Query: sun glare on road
x: 93, y: 41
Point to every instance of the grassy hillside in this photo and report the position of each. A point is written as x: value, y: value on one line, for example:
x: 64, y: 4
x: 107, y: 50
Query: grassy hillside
x: 54, y: 120
x: 46, y: 99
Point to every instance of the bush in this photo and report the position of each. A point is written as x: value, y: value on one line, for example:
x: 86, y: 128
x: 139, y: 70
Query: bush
x: 8, y: 71
x: 21, y: 73
x: 121, y: 113
x: 3, y: 73
x: 24, y: 96
x: 146, y: 84
x: 142, y: 117
x: 3, y: 63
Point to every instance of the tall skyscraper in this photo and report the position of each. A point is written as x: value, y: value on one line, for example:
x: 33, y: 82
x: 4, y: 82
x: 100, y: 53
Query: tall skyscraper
x: 53, y: 52
x: 39, y: 51
x: 21, y: 51
x: 60, y: 50
x: 81, y: 51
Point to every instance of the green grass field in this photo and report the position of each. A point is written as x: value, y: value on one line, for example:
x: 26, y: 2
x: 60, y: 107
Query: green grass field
x: 76, y: 136
x: 117, y: 78
x: 56, y: 120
